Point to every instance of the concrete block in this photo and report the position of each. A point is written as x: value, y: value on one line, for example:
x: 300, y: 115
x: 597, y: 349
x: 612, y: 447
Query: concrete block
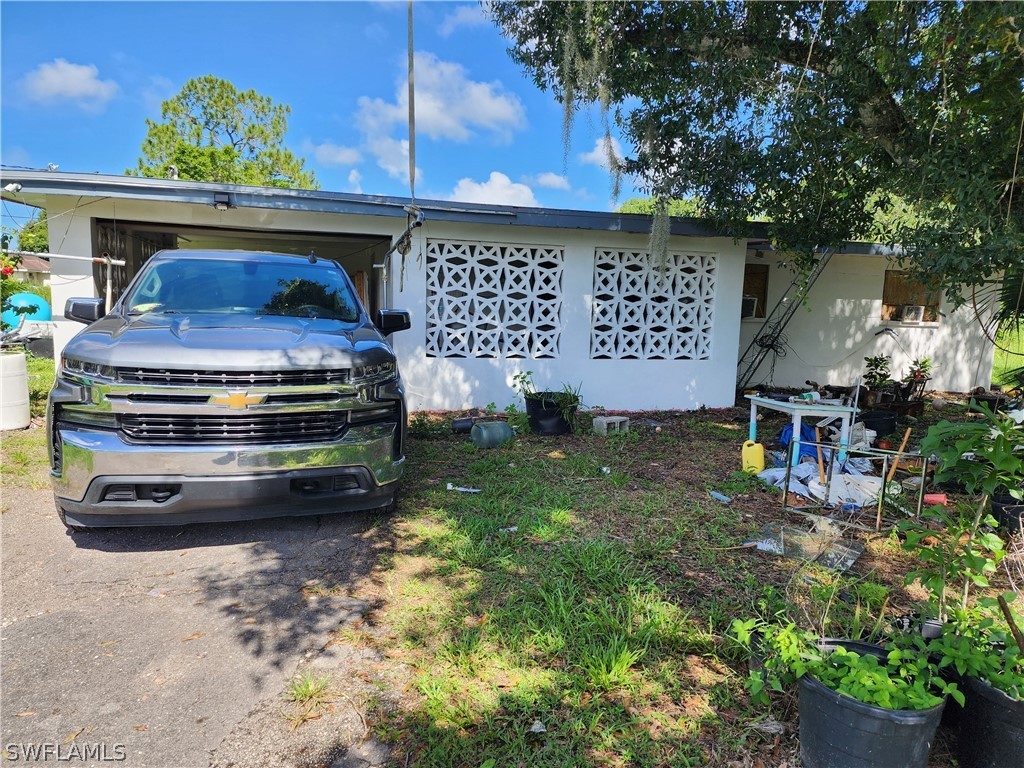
x: 605, y: 425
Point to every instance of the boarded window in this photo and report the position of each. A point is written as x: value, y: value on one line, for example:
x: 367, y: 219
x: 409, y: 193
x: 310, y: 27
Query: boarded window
x: 755, y: 290
x: 901, y: 296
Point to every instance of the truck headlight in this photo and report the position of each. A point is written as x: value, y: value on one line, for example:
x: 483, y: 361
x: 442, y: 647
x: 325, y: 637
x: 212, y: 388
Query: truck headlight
x: 377, y: 371
x: 76, y: 368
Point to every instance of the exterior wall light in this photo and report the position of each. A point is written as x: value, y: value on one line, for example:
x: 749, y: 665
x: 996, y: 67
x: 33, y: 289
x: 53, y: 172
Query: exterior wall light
x: 221, y: 201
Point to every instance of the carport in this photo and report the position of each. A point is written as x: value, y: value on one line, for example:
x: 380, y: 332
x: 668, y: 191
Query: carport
x: 135, y: 241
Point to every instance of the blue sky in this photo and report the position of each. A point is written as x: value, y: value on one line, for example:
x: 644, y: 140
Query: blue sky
x: 79, y: 80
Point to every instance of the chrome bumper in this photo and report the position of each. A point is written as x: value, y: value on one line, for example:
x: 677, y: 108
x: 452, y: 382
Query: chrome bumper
x: 254, y: 481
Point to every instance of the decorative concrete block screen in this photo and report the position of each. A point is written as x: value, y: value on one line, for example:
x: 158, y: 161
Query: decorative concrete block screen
x: 493, y: 300
x: 644, y: 312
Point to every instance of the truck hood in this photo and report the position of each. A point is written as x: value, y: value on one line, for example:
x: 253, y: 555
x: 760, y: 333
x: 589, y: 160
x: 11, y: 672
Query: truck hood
x: 228, y: 342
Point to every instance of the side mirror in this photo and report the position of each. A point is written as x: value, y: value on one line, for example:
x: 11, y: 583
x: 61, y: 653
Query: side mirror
x: 391, y: 320
x: 85, y: 310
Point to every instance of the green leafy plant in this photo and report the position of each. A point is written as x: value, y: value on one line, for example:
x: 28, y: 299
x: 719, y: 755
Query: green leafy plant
x: 516, y: 418
x: 920, y: 368
x: 566, y: 400
x: 9, y: 285
x: 426, y: 427
x: 878, y: 371
x: 983, y: 457
x: 904, y: 679
x: 953, y: 551
x: 976, y: 644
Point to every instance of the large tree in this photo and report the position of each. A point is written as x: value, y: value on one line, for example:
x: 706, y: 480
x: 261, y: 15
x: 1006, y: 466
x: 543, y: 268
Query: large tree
x: 211, y: 131
x: 33, y: 235
x: 818, y: 117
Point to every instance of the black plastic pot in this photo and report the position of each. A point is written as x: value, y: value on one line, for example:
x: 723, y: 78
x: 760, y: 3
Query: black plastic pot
x: 883, y: 422
x: 1008, y: 512
x: 837, y: 731
x: 545, y: 415
x: 992, y: 729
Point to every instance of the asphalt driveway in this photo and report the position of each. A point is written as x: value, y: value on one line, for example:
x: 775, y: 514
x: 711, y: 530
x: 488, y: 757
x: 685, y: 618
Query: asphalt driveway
x: 171, y: 647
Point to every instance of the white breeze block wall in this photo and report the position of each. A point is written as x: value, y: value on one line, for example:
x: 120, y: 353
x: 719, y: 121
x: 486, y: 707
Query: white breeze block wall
x: 829, y: 339
x: 558, y: 334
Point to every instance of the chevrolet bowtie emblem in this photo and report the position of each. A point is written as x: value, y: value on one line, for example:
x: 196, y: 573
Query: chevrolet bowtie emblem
x: 237, y: 400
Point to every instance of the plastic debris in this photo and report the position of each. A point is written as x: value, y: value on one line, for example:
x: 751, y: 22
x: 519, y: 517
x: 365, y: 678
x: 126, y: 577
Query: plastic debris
x: 819, y: 546
x: 510, y: 529
x: 721, y: 497
x: 158, y: 593
x: 460, y: 489
x: 538, y: 727
x: 606, y: 470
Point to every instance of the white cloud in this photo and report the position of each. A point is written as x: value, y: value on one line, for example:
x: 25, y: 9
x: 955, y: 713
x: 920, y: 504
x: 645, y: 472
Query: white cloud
x: 355, y: 179
x: 599, y: 154
x: 550, y: 180
x: 499, y: 189
x: 449, y: 105
x: 329, y: 153
x: 60, y: 80
x: 463, y: 16
x: 158, y: 90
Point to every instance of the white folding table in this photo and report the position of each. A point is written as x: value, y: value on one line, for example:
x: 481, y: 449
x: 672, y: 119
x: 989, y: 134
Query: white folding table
x: 798, y: 410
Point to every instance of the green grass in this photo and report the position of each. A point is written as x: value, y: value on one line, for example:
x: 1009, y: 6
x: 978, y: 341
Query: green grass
x: 23, y: 461
x: 40, y: 382
x: 308, y: 690
x: 1008, y: 356
x: 565, y: 595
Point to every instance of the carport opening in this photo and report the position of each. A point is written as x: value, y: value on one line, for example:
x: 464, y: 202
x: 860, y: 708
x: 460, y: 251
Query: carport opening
x: 135, y: 242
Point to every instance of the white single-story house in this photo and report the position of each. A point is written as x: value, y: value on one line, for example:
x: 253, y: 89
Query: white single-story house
x: 572, y: 296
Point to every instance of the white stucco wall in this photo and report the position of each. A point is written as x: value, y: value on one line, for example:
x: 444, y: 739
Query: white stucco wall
x: 434, y: 383
x: 831, y: 336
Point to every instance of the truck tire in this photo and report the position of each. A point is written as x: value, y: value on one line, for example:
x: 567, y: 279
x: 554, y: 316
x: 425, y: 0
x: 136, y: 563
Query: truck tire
x: 62, y: 514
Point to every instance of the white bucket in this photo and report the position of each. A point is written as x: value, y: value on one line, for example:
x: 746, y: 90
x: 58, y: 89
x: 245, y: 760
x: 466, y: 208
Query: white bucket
x: 14, y: 412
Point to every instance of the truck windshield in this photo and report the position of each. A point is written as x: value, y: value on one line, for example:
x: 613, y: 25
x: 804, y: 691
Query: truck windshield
x: 192, y: 285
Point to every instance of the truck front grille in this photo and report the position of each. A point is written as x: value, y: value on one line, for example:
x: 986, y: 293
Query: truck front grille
x: 244, y: 429
x: 188, y: 378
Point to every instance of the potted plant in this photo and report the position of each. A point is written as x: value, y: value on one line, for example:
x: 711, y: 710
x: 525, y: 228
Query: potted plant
x: 861, y: 705
x: 549, y: 412
x: 920, y: 368
x: 877, y: 377
x: 984, y: 457
x: 990, y: 662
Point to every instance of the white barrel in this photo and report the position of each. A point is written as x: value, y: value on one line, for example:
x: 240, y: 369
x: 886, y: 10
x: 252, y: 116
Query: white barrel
x: 14, y: 413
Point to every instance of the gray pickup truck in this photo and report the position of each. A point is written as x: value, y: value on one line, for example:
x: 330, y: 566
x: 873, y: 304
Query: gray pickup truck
x: 226, y: 385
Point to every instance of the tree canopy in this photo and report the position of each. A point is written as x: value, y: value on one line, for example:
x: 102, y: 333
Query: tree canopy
x: 899, y: 121
x: 33, y: 235
x: 211, y: 131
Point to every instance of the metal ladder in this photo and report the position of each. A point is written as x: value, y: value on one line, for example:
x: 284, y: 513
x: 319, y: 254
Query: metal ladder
x: 776, y: 321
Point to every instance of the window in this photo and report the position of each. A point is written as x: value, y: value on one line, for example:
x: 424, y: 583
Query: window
x: 903, y: 297
x: 755, y: 290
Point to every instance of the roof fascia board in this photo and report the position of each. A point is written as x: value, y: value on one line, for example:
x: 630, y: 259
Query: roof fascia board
x: 42, y: 183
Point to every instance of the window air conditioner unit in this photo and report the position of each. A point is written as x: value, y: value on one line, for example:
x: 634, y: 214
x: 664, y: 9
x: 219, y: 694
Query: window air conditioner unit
x: 749, y: 307
x: 912, y: 313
